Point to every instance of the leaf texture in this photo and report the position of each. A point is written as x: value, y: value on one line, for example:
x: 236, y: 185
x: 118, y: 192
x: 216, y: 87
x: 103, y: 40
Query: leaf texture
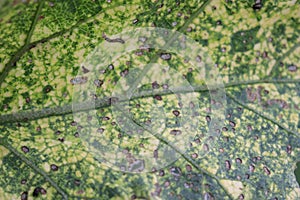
x: 47, y: 153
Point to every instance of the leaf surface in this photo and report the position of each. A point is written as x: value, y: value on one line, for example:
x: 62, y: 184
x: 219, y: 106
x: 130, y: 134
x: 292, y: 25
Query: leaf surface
x: 46, y: 153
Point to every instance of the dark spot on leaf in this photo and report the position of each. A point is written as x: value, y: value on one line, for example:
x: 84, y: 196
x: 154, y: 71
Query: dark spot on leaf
x: 237, y: 39
x: 61, y: 139
x: 78, y: 80
x: 251, y: 168
x: 155, y: 154
x: 47, y: 89
x: 224, y: 129
x: 167, y: 184
x: 227, y: 164
x: 85, y: 70
x: 249, y: 127
x: 124, y: 72
x: 105, y: 118
x: 25, y: 149
x: 175, y: 132
x: 266, y: 92
x: 197, y: 140
x: 38, y: 128
x: 208, y: 196
x: 73, y: 123
x: 205, y: 147
x: 165, y: 56
x: 111, y: 67
x: 23, y: 181
x: 161, y: 172
x: 165, y: 86
x: 289, y: 149
x: 43, y: 191
x: 257, y: 5
x: 238, y: 160
x: 36, y: 192
x: 247, y: 176
x: 79, y: 128
x: 188, y: 168
x: 175, y: 171
x: 100, y: 130
x: 232, y: 123
x: 267, y: 171
x: 98, y: 83
x: 27, y: 100
x: 292, y: 68
x: 77, y: 182
x: 54, y: 167
x: 208, y: 119
x: 24, y: 196
x: 155, y: 85
x: 189, y: 29
x: 113, y: 100
x: 58, y: 132
x: 194, y: 155
x: 241, y: 197
x: 158, y: 97
x: 135, y: 21
x: 254, y: 159
x: 176, y: 113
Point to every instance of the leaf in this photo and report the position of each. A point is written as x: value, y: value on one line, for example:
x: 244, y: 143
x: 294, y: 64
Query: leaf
x: 176, y: 127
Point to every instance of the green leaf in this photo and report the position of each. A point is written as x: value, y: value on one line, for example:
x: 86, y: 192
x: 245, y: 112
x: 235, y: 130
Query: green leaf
x: 169, y: 138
